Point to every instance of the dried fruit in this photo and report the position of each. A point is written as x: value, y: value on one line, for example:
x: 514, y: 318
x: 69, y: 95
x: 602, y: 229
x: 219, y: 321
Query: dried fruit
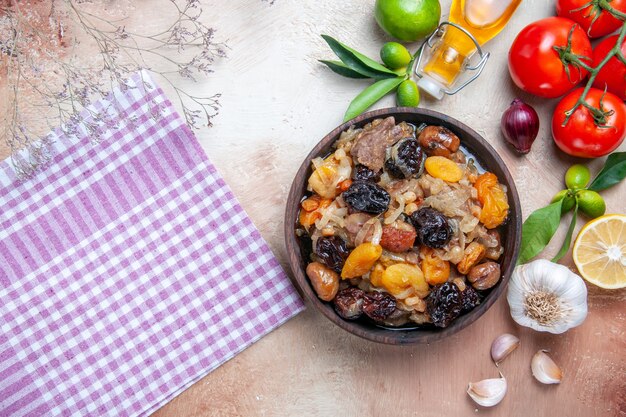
x: 398, y: 237
x: 378, y: 305
x: 469, y: 299
x: 485, y: 275
x: 363, y: 173
x: 367, y: 197
x: 403, y: 280
x: 311, y: 203
x: 325, y: 281
x: 432, y: 227
x: 361, y: 260
x: 405, y: 160
x: 376, y: 276
x: 332, y: 252
x: 349, y: 303
x: 436, y: 270
x: 444, y: 304
x: 307, y: 218
x: 443, y: 168
x: 492, y: 197
x: 438, y: 141
x: 473, y: 254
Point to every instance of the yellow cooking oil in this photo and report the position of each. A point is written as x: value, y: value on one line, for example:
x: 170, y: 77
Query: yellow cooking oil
x: 484, y: 19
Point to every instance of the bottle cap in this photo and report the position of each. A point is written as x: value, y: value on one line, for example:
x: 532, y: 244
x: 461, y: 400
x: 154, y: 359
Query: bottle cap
x: 431, y: 87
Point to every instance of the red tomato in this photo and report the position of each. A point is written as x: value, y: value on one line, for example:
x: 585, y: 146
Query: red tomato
x: 613, y: 73
x: 581, y: 136
x: 536, y: 67
x: 603, y: 25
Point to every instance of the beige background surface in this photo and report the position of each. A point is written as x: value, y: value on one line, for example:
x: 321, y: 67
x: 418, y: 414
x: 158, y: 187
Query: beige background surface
x: 277, y: 102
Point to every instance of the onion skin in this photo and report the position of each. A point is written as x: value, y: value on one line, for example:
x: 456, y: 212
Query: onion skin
x: 520, y: 125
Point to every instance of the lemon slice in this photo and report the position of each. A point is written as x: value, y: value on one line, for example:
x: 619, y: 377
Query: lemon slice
x: 600, y: 251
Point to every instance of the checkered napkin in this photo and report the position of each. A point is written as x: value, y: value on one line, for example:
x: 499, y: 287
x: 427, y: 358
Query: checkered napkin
x: 128, y: 270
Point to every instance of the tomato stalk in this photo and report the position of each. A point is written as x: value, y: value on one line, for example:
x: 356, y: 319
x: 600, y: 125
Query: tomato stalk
x: 599, y: 114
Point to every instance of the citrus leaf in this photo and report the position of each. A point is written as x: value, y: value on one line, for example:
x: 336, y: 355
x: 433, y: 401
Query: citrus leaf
x: 371, y: 95
x: 340, y: 68
x: 538, y: 229
x: 357, y: 61
x: 613, y: 172
x: 568, y: 237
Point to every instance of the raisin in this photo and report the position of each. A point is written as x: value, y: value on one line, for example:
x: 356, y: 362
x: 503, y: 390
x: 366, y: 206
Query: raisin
x: 406, y: 159
x: 469, y: 299
x: 378, y: 305
x: 363, y: 173
x: 432, y: 227
x: 349, y: 303
x: 332, y: 252
x: 367, y: 197
x: 444, y: 304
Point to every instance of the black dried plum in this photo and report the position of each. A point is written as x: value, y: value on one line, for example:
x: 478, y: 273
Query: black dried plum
x: 469, y: 299
x: 367, y: 197
x: 363, y: 173
x: 432, y: 227
x: 332, y: 252
x: 349, y: 303
x: 378, y: 306
x: 405, y: 159
x: 444, y: 304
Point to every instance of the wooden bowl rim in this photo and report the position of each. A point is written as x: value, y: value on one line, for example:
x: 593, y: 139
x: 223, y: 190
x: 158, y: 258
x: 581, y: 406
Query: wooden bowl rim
x: 487, y: 156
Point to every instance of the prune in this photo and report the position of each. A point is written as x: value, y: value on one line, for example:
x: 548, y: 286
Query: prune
x: 444, y: 304
x: 367, y: 197
x: 363, y: 173
x: 406, y: 159
x: 378, y: 306
x: 349, y: 303
x: 469, y: 299
x: 432, y: 227
x: 332, y: 252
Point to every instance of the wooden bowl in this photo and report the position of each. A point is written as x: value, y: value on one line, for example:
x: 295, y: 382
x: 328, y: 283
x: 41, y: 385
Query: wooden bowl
x: 511, y: 231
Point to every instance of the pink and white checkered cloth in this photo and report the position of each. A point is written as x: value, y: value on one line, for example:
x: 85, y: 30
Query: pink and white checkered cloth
x: 128, y: 270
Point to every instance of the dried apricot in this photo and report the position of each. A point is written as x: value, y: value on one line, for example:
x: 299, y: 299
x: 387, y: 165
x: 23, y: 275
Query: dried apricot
x: 399, y: 278
x: 307, y: 218
x: 492, y: 197
x: 376, y: 276
x: 361, y: 260
x: 443, y: 168
x: 474, y: 253
x: 436, y: 270
x: 311, y: 203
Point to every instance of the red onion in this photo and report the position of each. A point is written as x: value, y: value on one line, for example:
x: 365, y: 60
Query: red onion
x: 520, y: 125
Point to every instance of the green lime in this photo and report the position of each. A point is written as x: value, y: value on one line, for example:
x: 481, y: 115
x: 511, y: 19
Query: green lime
x: 591, y: 203
x: 408, y: 20
x: 577, y: 176
x: 568, y: 200
x: 395, y: 55
x: 408, y: 95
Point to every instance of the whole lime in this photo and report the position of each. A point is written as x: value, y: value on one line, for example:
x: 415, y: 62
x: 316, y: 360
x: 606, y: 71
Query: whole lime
x: 407, y: 94
x: 568, y: 200
x: 407, y: 20
x: 591, y: 203
x: 577, y: 176
x: 395, y: 55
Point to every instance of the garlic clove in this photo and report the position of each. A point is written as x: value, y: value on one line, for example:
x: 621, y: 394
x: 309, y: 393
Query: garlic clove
x: 544, y: 369
x: 502, y: 347
x: 488, y: 392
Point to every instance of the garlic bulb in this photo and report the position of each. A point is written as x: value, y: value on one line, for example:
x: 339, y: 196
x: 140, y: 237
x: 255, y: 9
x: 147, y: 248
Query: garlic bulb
x: 547, y: 297
x: 544, y: 369
x: 488, y: 392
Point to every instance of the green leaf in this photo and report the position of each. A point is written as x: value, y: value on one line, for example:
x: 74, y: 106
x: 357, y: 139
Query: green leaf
x: 613, y: 172
x: 371, y: 95
x: 538, y: 229
x: 568, y: 237
x: 340, y: 68
x: 357, y: 61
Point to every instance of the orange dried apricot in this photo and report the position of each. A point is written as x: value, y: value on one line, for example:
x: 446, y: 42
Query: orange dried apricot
x: 443, y: 168
x: 307, y: 218
x: 492, y: 197
x: 361, y: 260
x: 436, y: 270
x: 399, y: 278
x: 376, y: 276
